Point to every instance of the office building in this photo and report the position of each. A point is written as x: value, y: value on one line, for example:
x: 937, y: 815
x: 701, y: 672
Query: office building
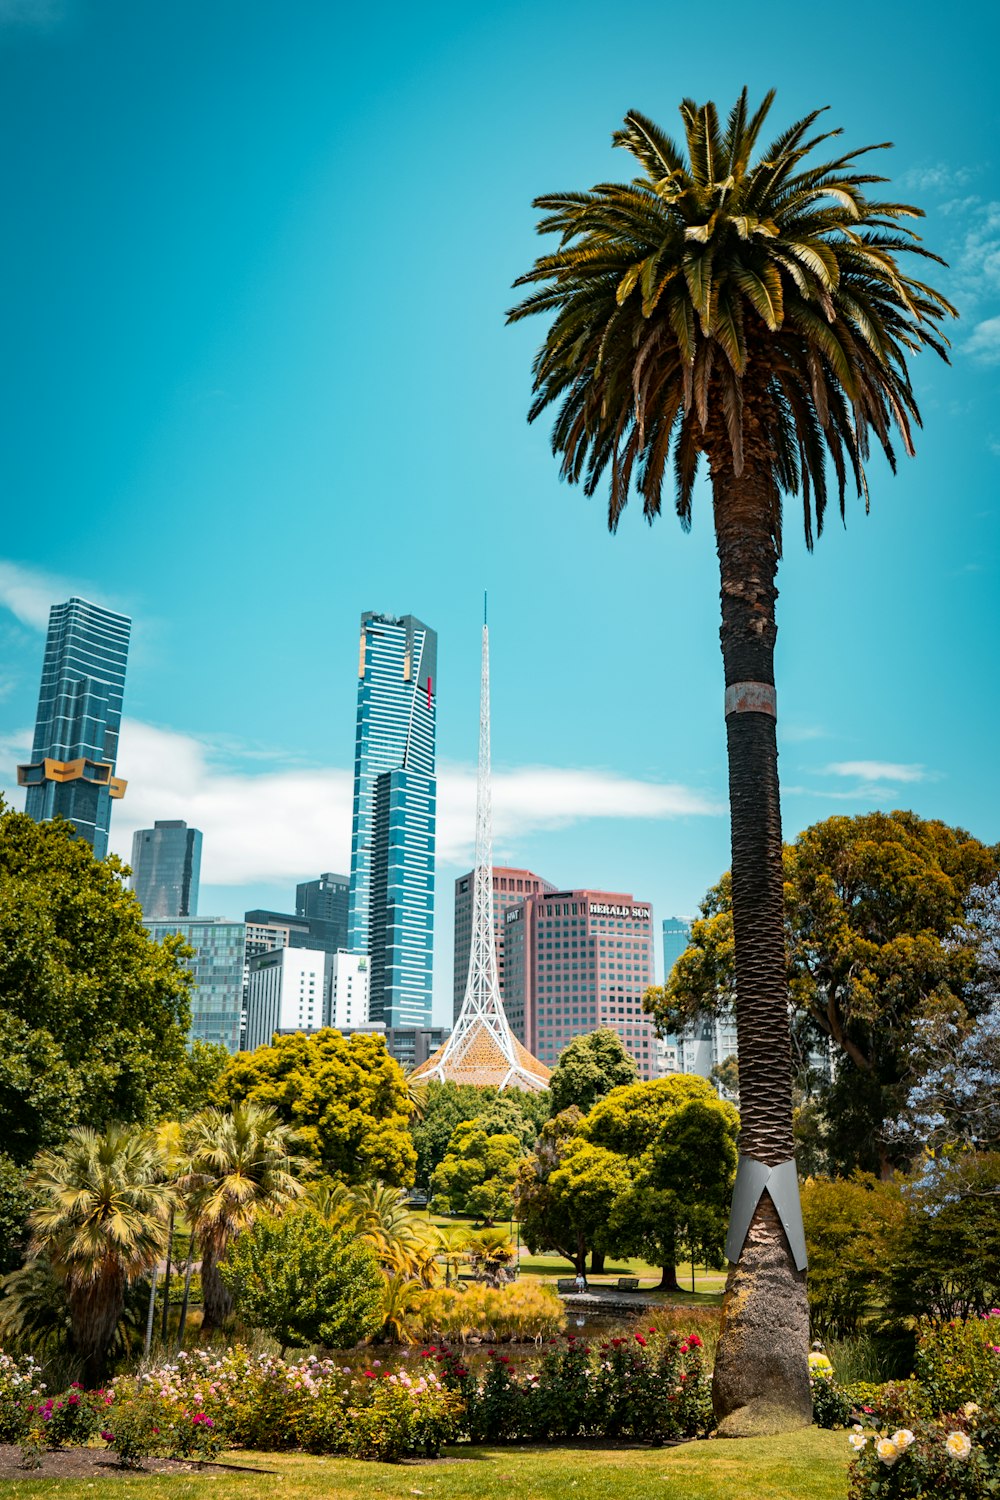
x: 676, y: 937
x: 327, y: 900
x: 74, y: 754
x: 391, y: 908
x: 413, y: 1045
x: 576, y: 961
x: 348, y: 1005
x: 166, y: 869
x: 510, y: 887
x: 288, y: 990
x: 281, y: 929
x: 217, y: 966
x: 706, y: 1044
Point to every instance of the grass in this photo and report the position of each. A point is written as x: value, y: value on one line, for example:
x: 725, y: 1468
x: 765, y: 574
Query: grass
x: 809, y: 1465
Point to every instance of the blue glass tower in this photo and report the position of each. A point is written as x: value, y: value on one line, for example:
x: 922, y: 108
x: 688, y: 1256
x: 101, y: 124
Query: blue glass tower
x: 75, y: 750
x: 391, y: 909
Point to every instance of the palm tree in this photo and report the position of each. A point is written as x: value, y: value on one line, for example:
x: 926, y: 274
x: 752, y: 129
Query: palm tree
x: 101, y: 1222
x: 240, y: 1163
x: 750, y: 308
x: 403, y: 1240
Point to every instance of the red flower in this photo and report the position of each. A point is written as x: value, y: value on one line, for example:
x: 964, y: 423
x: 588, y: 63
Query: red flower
x: 370, y: 1375
x: 640, y: 1340
x: 694, y: 1341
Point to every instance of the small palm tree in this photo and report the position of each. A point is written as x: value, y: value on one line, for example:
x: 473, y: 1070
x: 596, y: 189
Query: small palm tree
x: 403, y: 1240
x: 240, y: 1163
x: 101, y: 1222
x: 752, y: 309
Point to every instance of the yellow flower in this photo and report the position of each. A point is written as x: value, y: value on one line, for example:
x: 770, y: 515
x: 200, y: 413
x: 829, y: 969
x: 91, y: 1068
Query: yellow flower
x: 903, y: 1438
x: 958, y: 1444
x: 857, y: 1440
x: 887, y: 1451
x: 970, y: 1409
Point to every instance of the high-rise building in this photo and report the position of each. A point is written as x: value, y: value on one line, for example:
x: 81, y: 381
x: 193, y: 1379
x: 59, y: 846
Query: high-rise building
x: 166, y: 869
x: 706, y: 1044
x: 510, y: 887
x: 576, y: 961
x: 287, y: 990
x: 348, y: 1006
x: 280, y: 929
x: 327, y: 900
x: 676, y: 937
x: 219, y: 956
x: 391, y: 911
x: 75, y: 750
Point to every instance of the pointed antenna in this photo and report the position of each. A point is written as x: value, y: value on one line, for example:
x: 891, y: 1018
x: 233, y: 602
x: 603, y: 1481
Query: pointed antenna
x: 484, y: 608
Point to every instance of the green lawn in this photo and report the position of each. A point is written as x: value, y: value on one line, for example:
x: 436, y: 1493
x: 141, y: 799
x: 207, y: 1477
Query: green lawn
x: 809, y: 1465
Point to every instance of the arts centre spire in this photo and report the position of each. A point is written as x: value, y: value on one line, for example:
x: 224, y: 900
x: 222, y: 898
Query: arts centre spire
x: 482, y: 1049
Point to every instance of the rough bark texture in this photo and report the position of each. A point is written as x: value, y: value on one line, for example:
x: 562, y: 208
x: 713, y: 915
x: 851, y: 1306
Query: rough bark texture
x: 761, y: 1381
x: 217, y: 1304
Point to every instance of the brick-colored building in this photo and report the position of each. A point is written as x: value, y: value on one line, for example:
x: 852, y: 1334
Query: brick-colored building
x: 510, y: 887
x: 575, y: 961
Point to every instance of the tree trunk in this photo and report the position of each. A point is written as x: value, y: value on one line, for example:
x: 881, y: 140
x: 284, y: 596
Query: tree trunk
x: 761, y: 1379
x: 95, y: 1306
x: 216, y: 1302
x: 668, y: 1279
x: 597, y: 1262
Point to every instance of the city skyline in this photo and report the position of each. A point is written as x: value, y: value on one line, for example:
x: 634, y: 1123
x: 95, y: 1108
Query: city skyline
x: 211, y: 459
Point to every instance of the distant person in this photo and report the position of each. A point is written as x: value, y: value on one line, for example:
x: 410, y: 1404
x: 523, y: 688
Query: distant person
x: 581, y: 1282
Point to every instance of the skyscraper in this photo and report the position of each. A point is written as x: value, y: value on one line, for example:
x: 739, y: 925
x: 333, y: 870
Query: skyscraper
x: 327, y: 899
x: 391, y: 910
x: 166, y: 869
x: 510, y: 887
x: 576, y: 961
x: 75, y: 750
x: 217, y: 966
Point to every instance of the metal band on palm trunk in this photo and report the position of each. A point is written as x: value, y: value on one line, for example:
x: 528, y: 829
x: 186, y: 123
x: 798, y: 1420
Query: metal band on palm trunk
x: 753, y: 1179
x: 751, y: 698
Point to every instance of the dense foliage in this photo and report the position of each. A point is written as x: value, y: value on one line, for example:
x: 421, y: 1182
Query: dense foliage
x: 588, y: 1068
x: 345, y: 1097
x: 477, y: 1174
x: 93, y: 1013
x: 872, y: 906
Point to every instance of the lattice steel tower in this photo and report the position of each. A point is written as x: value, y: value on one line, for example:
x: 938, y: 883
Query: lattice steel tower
x: 482, y: 1049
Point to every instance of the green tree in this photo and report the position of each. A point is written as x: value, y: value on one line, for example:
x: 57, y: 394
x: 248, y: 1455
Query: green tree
x: 743, y: 305
x: 590, y: 1067
x: 240, y: 1164
x: 198, y: 1076
x: 100, y: 1221
x: 853, y: 1232
x: 870, y: 906
x: 15, y: 1205
x: 445, y: 1105
x: 678, y: 1139
x: 304, y: 1282
x: 585, y: 1187
x: 545, y: 1214
x: 477, y: 1174
x: 93, y: 1014
x: 345, y: 1098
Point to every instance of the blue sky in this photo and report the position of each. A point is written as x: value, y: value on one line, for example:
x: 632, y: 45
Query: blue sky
x: 257, y: 380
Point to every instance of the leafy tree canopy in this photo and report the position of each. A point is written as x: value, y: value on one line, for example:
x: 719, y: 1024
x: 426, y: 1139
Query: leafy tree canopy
x: 446, y: 1105
x: 345, y: 1097
x: 478, y: 1173
x: 93, y: 1013
x: 16, y: 1200
x: 870, y: 903
x: 305, y: 1282
x: 590, y: 1067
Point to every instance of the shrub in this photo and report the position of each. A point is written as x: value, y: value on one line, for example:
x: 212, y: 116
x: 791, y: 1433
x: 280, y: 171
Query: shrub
x: 403, y: 1417
x: 959, y: 1361
x: 853, y: 1228
x: 69, y: 1418
x: 132, y: 1428
x: 896, y: 1403
x: 957, y: 1457
x: 305, y: 1281
x: 523, y: 1312
x: 21, y: 1387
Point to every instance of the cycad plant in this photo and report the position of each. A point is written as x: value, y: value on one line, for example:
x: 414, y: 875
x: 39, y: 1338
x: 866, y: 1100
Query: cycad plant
x: 240, y: 1163
x: 100, y: 1221
x: 750, y: 307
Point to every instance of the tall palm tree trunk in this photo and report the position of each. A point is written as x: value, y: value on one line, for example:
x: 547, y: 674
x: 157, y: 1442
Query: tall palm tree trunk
x: 761, y: 1379
x: 217, y: 1304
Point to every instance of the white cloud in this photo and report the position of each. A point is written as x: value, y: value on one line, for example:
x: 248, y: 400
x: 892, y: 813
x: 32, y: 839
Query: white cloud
x: 794, y: 733
x: 282, y: 825
x: 877, y: 770
x: 29, y: 593
x: 984, y: 343
x: 933, y: 176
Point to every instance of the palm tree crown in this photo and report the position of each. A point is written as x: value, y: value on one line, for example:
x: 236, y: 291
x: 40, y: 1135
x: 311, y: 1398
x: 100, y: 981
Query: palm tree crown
x: 719, y: 301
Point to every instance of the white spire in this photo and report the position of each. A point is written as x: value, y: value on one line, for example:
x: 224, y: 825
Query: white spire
x: 482, y: 1037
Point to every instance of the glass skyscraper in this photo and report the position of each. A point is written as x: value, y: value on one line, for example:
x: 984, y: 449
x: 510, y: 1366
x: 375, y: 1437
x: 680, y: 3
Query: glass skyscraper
x: 391, y: 909
x: 75, y: 750
x: 166, y: 869
x: 219, y: 958
x: 326, y: 898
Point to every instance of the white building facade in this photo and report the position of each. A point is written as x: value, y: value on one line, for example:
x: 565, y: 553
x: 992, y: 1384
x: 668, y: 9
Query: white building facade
x: 287, y: 990
x: 348, y: 990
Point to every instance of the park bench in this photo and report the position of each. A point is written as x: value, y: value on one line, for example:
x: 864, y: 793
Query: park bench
x: 566, y: 1284
x: 628, y: 1283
